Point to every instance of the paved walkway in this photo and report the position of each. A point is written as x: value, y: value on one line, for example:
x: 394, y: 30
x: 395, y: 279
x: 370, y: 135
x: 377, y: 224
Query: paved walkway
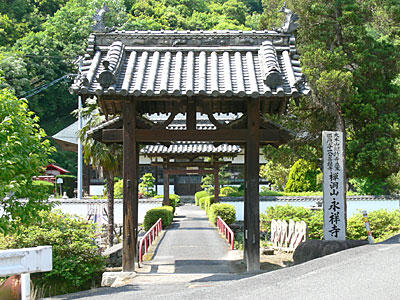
x: 191, y: 245
x: 191, y: 254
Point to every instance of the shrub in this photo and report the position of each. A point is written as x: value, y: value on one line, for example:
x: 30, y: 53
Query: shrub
x: 48, y: 187
x: 69, y: 185
x: 226, y: 211
x: 77, y: 262
x: 199, y: 195
x: 152, y: 216
x: 147, y: 185
x: 205, y: 202
x: 314, y: 219
x: 384, y: 224
x: 228, y: 191
x: 174, y: 200
x: 119, y: 189
x: 303, y: 177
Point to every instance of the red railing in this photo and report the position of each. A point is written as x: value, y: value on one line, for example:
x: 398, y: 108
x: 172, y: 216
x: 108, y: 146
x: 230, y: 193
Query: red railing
x: 149, y: 237
x: 226, y: 230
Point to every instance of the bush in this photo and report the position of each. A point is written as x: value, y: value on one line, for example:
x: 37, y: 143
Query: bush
x: 174, y: 200
x: 226, y: 211
x: 313, y: 219
x: 147, y: 185
x: 77, y: 262
x: 69, y: 185
x: 199, y: 195
x: 303, y: 177
x: 384, y: 224
x: 48, y: 187
x: 205, y: 202
x: 152, y: 216
x: 119, y: 189
x: 228, y: 191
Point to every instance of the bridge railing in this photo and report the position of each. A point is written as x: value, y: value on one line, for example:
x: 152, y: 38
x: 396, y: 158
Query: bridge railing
x: 25, y: 261
x: 227, y: 231
x: 148, y: 238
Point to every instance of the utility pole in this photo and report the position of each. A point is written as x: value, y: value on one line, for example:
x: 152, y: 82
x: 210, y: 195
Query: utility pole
x: 80, y: 152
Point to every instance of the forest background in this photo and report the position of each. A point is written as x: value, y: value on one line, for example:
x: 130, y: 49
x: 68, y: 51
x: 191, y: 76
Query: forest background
x: 350, y: 53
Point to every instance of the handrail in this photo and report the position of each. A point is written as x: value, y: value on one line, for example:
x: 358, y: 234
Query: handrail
x: 226, y: 230
x: 25, y: 261
x: 149, y: 237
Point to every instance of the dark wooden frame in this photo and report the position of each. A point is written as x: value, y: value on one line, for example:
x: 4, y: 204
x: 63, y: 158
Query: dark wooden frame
x: 252, y: 137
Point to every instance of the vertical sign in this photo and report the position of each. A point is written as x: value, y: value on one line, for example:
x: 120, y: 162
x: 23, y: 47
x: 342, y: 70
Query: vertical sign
x: 334, y: 205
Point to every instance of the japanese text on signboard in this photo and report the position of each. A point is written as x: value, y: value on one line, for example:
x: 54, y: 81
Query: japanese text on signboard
x: 334, y: 220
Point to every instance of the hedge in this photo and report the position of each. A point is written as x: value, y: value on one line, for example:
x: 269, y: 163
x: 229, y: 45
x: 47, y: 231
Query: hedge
x: 174, y: 200
x: 199, y: 195
x: 77, y: 262
x: 226, y: 211
x: 229, y: 191
x: 46, y: 185
x: 166, y: 213
x: 69, y: 185
x: 384, y: 224
x: 313, y: 219
x: 205, y: 202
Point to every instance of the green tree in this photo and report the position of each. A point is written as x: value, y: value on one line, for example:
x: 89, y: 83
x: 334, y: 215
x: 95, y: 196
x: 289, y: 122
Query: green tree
x: 147, y: 185
x: 302, y: 177
x: 23, y: 154
x: 99, y: 155
x: 275, y: 173
x: 351, y: 63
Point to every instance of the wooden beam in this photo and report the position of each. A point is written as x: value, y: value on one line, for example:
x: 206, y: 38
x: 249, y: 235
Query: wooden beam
x: 252, y: 197
x: 183, y: 172
x: 175, y: 165
x: 223, y: 135
x: 130, y: 172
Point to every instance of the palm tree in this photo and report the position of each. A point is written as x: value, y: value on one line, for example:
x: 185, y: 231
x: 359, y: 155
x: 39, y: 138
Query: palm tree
x: 107, y: 157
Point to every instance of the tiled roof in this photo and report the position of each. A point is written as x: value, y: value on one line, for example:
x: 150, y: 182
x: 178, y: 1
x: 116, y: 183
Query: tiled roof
x: 218, y: 63
x: 190, y: 148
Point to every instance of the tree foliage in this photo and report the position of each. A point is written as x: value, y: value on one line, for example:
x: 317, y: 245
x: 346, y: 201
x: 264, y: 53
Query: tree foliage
x: 101, y: 156
x: 351, y: 59
x: 302, y: 177
x: 147, y: 185
x: 24, y: 153
x: 349, y: 51
x: 275, y: 173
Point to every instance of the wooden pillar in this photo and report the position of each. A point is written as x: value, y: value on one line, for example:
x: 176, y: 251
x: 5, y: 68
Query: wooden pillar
x: 245, y: 199
x: 130, y: 172
x: 166, y: 187
x: 216, y: 185
x: 252, y: 209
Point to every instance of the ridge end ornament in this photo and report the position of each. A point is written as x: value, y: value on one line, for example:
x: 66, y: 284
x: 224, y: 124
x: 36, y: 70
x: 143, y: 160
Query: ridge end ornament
x: 99, y: 17
x: 291, y: 23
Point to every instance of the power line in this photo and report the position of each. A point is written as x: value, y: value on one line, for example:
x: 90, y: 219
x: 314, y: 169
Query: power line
x: 37, y: 90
